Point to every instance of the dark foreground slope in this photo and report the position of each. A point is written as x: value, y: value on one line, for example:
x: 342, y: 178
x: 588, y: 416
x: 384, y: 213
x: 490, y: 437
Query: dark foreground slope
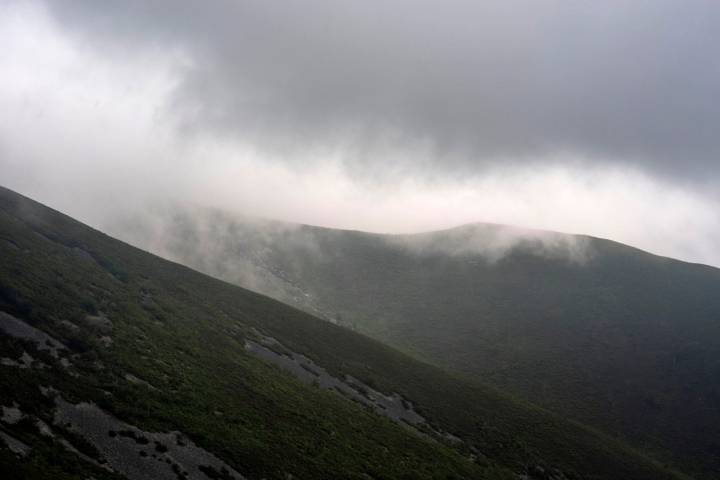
x: 115, y: 362
x: 598, y: 331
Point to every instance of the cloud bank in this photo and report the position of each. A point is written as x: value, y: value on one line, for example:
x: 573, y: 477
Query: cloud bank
x: 463, y: 83
x: 587, y: 117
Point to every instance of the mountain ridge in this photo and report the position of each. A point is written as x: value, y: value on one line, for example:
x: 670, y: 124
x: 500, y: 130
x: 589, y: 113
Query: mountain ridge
x: 136, y: 329
x: 622, y: 339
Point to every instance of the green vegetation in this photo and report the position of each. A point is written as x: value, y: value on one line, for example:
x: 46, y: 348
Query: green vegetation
x: 183, y: 333
x: 625, y: 341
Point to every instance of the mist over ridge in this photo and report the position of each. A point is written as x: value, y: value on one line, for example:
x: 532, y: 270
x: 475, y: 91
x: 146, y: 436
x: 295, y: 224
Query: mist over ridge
x: 604, y: 133
x: 359, y: 239
x: 608, y: 334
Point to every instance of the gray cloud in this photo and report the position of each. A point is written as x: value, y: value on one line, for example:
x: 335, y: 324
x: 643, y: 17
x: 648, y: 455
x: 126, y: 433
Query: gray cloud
x: 111, y: 110
x: 470, y: 84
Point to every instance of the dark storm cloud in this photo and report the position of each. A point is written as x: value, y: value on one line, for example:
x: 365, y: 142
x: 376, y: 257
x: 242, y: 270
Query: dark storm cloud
x: 616, y: 81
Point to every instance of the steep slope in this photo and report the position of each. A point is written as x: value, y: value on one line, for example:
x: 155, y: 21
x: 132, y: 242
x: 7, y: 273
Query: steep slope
x: 117, y: 363
x: 604, y: 333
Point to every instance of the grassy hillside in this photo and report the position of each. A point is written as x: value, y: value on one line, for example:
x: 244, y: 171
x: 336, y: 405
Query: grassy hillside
x: 161, y: 348
x: 606, y: 334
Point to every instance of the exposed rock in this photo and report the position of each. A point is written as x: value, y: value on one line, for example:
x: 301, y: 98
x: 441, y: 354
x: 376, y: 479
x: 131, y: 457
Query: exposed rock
x: 139, y: 381
x: 392, y: 406
x: 99, y: 321
x: 44, y: 428
x: 47, y: 391
x: 15, y: 327
x: 9, y: 362
x: 25, y: 361
x: 123, y: 445
x: 69, y: 325
x: 15, y: 445
x: 12, y: 414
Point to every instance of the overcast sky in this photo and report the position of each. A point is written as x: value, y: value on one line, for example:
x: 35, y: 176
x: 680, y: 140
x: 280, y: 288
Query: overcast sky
x: 580, y: 116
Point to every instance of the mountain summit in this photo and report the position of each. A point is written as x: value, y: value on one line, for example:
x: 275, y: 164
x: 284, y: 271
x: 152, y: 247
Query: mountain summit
x: 604, y: 333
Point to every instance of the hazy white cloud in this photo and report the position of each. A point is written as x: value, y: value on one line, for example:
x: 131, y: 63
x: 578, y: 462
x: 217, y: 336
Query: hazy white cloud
x: 94, y: 132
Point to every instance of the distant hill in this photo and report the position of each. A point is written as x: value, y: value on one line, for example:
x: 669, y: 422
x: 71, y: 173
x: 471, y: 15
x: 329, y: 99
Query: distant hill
x: 594, y: 330
x: 115, y: 363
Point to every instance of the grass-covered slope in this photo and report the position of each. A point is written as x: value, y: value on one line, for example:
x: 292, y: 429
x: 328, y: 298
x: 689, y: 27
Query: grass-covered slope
x: 161, y: 348
x: 598, y: 331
